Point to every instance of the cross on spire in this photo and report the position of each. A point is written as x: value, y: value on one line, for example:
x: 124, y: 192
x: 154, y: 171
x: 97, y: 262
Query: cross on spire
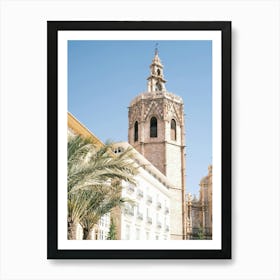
x: 156, y: 49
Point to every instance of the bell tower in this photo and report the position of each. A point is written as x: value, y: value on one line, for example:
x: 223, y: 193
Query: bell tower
x: 157, y: 131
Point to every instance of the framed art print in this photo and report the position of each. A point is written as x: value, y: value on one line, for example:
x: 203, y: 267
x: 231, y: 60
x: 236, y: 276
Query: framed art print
x: 139, y: 140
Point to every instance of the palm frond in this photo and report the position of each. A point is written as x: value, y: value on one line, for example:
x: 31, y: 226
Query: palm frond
x: 94, y: 180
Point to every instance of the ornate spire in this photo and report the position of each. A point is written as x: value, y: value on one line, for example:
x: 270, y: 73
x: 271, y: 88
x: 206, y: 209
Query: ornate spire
x: 156, y: 80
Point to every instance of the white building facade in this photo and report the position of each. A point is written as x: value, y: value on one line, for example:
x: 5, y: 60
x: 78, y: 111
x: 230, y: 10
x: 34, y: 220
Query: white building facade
x: 147, y: 217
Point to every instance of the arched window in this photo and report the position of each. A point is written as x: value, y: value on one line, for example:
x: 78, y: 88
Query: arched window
x: 153, y: 127
x: 136, y: 132
x: 173, y: 130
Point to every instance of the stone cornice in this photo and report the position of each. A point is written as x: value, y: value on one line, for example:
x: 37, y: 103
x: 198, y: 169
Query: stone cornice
x: 156, y: 95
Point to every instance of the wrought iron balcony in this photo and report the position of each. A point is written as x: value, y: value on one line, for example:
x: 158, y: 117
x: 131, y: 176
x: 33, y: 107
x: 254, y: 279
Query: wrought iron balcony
x: 139, y: 216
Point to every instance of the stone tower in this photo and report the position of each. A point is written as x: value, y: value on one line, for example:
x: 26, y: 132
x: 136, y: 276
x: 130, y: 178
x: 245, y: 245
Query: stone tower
x: 157, y: 131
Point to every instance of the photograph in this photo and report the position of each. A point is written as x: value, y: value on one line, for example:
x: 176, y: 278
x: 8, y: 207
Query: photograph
x: 139, y: 118
x: 120, y: 91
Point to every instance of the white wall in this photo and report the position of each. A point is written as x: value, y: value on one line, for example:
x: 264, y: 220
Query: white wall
x: 150, y: 186
x: 255, y: 139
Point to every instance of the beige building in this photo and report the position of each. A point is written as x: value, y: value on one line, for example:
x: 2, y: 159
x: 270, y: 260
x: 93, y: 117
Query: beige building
x: 199, y: 211
x: 157, y: 131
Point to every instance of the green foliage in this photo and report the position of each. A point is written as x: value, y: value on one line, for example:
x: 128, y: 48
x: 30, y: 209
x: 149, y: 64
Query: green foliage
x: 200, y: 234
x: 112, y: 234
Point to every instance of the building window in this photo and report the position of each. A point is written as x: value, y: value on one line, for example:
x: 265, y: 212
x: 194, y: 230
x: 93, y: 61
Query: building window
x: 136, y: 132
x: 173, y: 130
x: 153, y: 127
x: 118, y: 150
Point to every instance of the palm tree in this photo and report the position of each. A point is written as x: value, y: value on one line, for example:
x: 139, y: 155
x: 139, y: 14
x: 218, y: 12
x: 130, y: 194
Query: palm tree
x: 92, y: 173
x: 102, y: 202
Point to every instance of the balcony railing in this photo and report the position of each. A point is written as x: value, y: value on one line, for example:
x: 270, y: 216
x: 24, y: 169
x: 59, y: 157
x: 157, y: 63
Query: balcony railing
x: 139, y: 194
x: 139, y: 216
x: 129, y: 211
x: 158, y: 205
x: 149, y: 220
x: 149, y: 199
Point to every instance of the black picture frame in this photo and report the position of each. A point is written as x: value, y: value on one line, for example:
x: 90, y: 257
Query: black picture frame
x: 53, y: 27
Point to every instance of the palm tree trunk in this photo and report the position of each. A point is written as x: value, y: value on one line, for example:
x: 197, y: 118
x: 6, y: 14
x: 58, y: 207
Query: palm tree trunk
x: 87, y: 233
x: 72, y: 230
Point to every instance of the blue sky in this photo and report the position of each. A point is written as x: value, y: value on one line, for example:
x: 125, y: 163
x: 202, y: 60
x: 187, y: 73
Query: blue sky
x: 104, y: 76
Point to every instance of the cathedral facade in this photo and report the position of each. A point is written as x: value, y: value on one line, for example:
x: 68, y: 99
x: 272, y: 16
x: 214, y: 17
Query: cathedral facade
x: 157, y: 131
x: 199, y: 210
